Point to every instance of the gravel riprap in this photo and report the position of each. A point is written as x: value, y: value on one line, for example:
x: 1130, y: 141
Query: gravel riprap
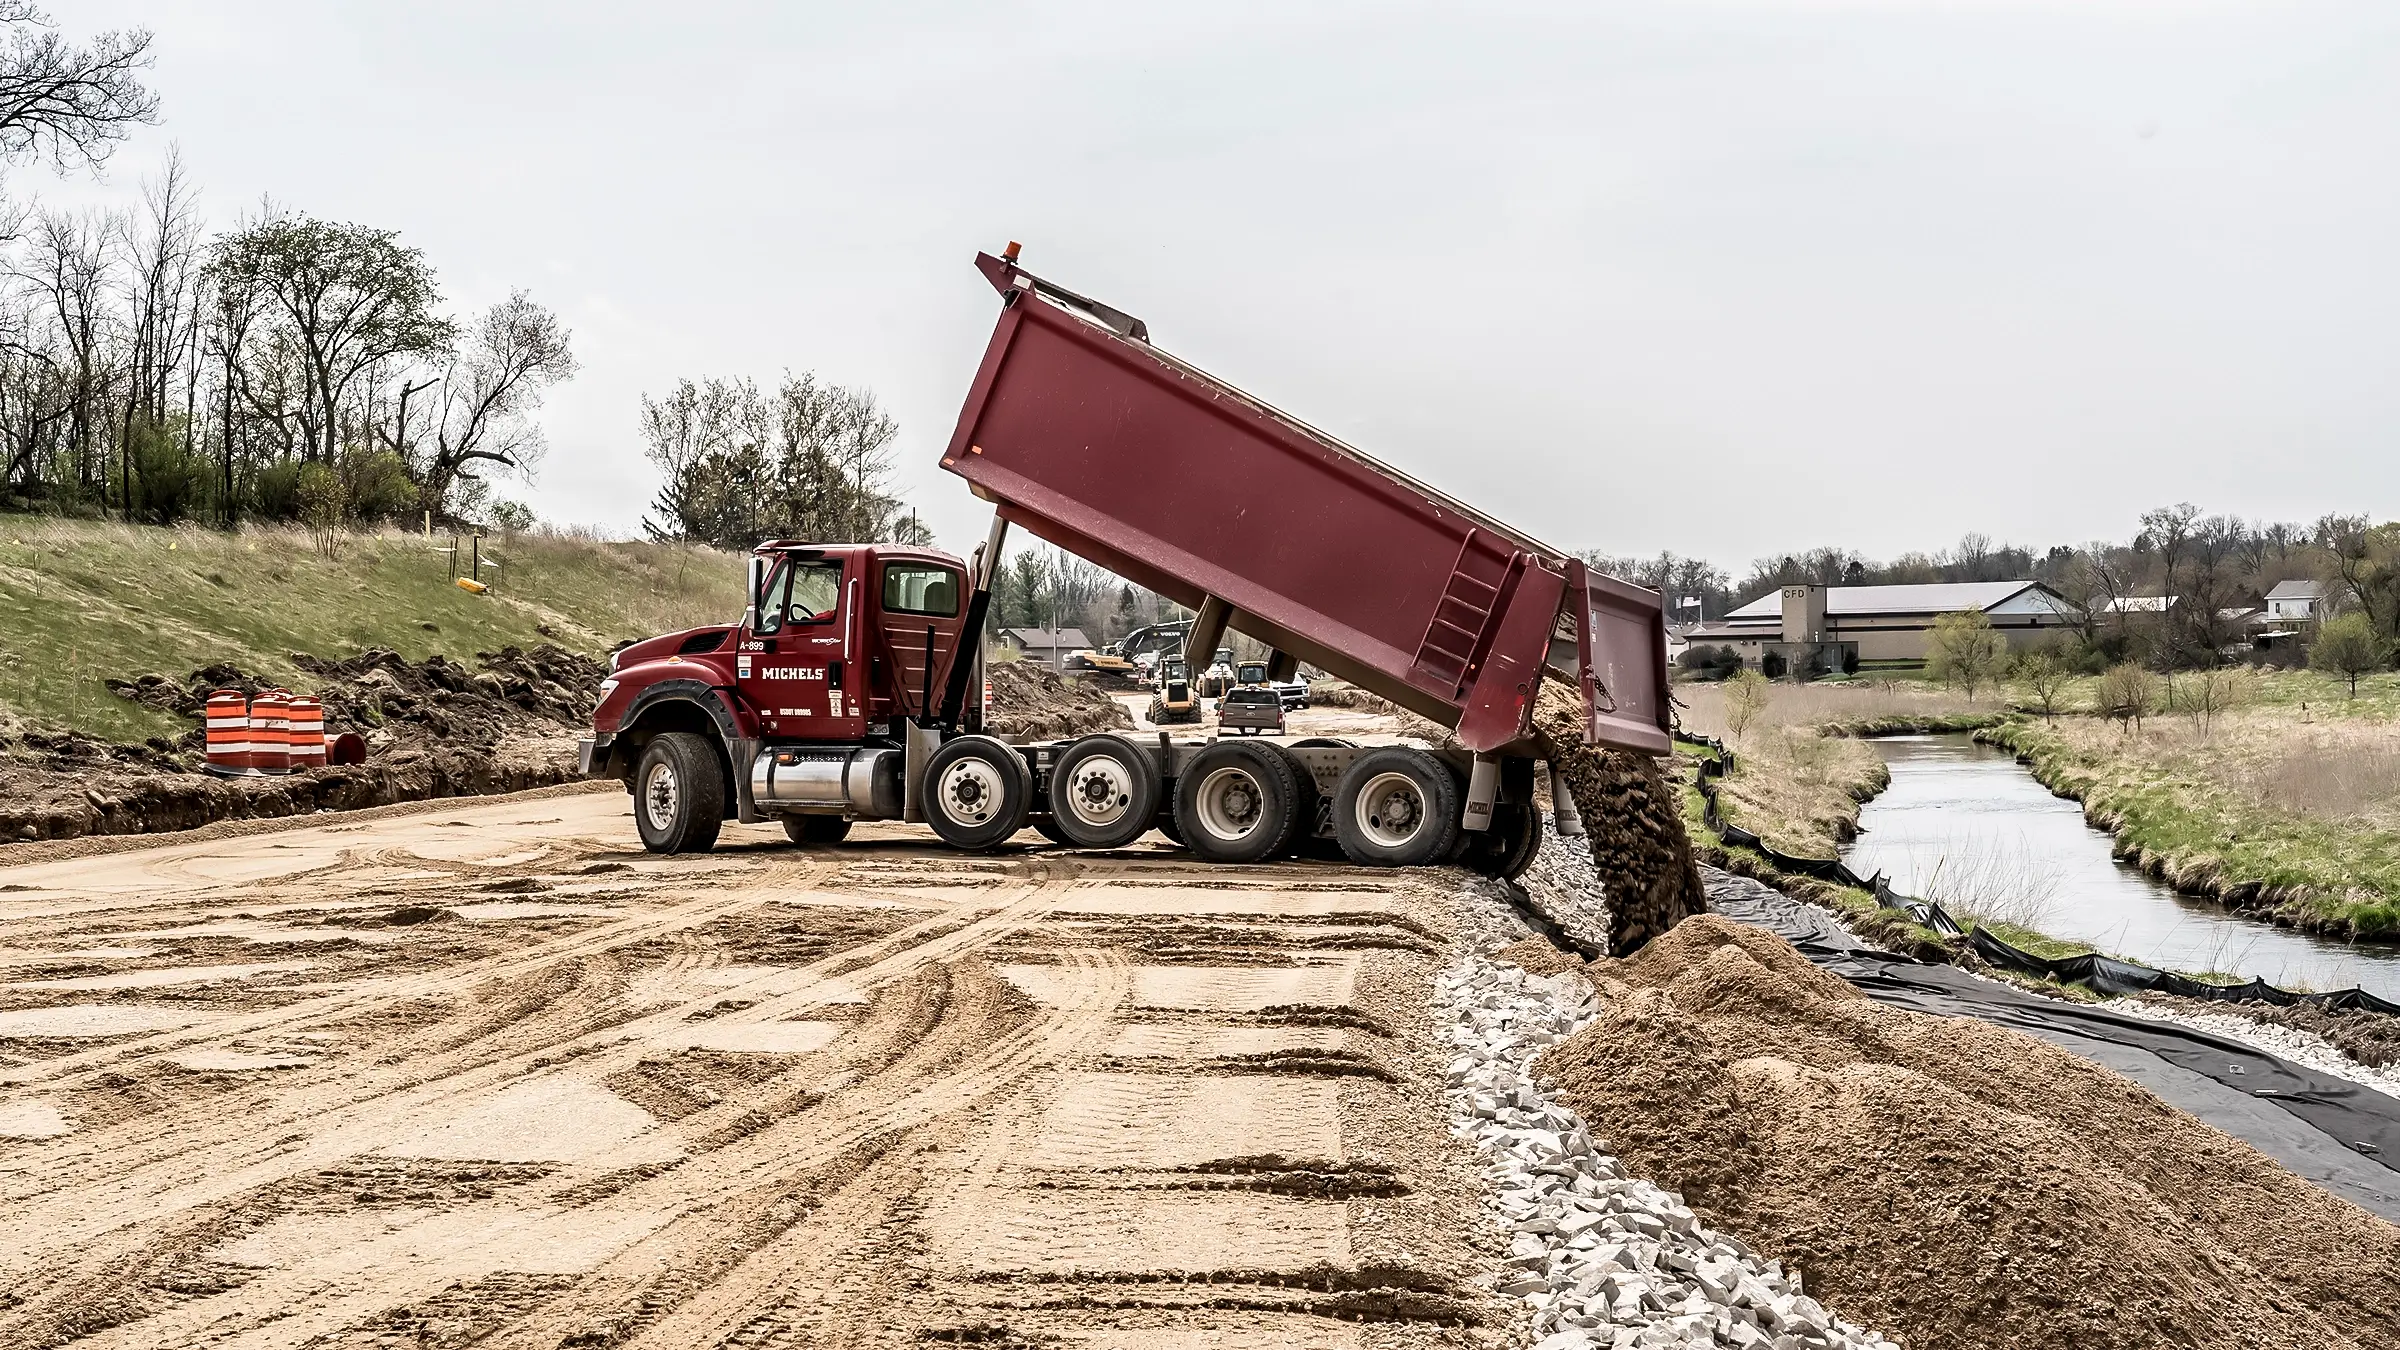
x: 1601, y: 1260
x: 2300, y: 1047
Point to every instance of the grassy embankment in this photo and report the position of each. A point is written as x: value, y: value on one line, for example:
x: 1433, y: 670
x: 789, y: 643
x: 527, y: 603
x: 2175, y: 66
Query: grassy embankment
x: 1801, y: 773
x: 2287, y: 807
x: 83, y: 601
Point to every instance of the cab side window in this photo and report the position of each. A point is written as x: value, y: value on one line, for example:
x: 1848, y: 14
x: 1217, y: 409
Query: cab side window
x: 920, y: 588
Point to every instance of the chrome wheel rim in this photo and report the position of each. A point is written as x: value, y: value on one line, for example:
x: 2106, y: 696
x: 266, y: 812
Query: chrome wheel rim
x: 1098, y: 793
x: 661, y: 796
x: 969, y: 791
x: 1391, y: 809
x: 1231, y: 804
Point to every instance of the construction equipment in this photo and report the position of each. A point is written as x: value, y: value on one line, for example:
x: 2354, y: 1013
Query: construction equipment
x: 1175, y: 702
x: 842, y: 692
x: 1215, y: 681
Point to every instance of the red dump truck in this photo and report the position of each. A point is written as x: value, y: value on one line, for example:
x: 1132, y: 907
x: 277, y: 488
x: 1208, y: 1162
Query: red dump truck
x: 851, y: 687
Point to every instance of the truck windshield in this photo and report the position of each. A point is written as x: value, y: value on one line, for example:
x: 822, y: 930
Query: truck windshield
x: 920, y: 588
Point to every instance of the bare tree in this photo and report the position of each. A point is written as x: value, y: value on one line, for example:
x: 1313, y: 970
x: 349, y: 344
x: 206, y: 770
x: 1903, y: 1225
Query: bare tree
x: 516, y: 351
x: 66, y: 103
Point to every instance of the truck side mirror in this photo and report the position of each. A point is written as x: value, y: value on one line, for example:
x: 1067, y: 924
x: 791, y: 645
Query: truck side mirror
x: 758, y: 584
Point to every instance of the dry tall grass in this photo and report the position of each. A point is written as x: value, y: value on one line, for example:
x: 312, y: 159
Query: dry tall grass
x: 1980, y: 878
x: 1816, y: 705
x: 1795, y: 788
x: 2335, y: 771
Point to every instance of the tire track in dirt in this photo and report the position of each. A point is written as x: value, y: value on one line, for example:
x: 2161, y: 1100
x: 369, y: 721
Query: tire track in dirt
x: 1162, y: 1061
x: 363, y: 1115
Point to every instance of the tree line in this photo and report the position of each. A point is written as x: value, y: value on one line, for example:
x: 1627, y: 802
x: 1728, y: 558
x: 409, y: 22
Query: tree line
x: 284, y: 367
x: 2211, y: 566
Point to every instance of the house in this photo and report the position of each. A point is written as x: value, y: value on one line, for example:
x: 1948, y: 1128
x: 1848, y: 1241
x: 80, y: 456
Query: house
x: 1822, y: 628
x: 1049, y: 646
x: 2294, y: 602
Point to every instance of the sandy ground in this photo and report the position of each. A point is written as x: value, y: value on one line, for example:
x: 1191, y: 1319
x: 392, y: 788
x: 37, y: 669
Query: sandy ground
x: 487, y: 1073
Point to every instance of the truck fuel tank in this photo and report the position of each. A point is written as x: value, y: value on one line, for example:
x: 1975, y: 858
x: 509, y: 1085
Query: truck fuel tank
x: 862, y: 782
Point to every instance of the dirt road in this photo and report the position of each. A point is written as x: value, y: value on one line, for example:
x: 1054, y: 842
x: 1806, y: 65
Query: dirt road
x: 488, y: 1073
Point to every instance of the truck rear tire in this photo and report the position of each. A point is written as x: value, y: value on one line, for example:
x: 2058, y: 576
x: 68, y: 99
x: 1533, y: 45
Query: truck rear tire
x: 1508, y: 847
x: 1396, y: 807
x: 816, y: 831
x: 678, y: 793
x: 1103, y: 792
x: 1305, y: 804
x: 1238, y: 802
x: 976, y: 792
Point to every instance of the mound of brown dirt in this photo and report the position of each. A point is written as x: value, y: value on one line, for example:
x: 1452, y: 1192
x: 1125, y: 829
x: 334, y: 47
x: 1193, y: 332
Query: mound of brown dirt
x: 1633, y: 821
x: 515, y: 693
x: 436, y: 728
x: 1952, y: 1182
x: 1028, y: 700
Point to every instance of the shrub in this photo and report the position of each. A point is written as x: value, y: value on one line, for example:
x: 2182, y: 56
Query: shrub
x: 2348, y: 645
x: 510, y: 516
x: 2044, y: 671
x: 1746, y: 697
x: 168, y: 480
x: 2127, y: 693
x: 275, y: 489
x: 377, y: 486
x: 1703, y: 661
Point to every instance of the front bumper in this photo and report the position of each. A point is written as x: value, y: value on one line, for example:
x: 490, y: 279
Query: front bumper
x: 591, y: 756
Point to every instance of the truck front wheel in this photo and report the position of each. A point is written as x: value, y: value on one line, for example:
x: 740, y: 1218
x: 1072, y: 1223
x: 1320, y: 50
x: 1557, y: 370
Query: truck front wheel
x: 976, y: 791
x: 1396, y: 807
x: 678, y: 794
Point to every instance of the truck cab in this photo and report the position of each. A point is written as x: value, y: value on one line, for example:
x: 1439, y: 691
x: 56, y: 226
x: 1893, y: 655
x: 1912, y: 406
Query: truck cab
x: 840, y: 647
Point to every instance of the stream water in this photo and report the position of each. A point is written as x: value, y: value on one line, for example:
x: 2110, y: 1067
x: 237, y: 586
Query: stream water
x: 1968, y: 827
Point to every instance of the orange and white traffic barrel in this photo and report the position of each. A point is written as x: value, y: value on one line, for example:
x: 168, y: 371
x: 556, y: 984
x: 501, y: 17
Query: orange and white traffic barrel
x: 307, y: 732
x: 228, y: 733
x: 271, y: 732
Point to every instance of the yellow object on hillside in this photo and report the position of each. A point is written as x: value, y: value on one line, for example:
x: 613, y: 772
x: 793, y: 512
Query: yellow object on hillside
x: 472, y: 585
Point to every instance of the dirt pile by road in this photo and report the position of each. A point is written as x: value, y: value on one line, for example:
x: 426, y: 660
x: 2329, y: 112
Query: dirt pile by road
x: 435, y: 728
x: 1952, y: 1182
x: 1030, y: 701
x: 1632, y: 820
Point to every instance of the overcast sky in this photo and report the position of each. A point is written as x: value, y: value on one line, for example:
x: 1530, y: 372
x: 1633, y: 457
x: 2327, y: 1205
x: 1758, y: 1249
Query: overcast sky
x: 1728, y: 278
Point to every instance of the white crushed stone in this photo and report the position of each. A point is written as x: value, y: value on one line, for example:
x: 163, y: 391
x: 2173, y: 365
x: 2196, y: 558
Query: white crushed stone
x: 1600, y: 1260
x: 1564, y: 888
x: 2291, y: 1043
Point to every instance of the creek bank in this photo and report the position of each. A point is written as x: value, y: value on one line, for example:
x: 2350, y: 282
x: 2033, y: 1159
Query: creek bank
x: 1911, y: 724
x: 2202, y: 875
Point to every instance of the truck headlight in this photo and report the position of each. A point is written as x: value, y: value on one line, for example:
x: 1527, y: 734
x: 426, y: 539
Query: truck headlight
x: 607, y: 687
